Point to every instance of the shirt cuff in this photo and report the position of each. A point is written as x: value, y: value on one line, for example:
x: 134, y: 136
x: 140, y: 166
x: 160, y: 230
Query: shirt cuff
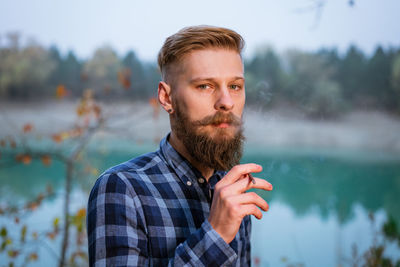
x: 229, y: 252
x: 205, y: 247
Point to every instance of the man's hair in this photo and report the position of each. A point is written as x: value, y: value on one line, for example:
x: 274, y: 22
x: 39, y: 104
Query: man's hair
x: 196, y: 38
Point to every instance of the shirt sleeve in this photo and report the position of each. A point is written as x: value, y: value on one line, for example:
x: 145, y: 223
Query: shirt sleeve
x: 205, y: 247
x: 117, y: 232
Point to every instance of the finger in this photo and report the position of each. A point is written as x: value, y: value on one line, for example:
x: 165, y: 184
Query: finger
x: 251, y: 209
x: 250, y: 198
x: 243, y: 185
x: 238, y: 171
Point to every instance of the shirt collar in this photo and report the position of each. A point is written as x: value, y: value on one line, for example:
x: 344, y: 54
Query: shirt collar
x: 182, y: 166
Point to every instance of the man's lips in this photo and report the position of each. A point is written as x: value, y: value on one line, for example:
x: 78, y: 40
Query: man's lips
x: 222, y: 124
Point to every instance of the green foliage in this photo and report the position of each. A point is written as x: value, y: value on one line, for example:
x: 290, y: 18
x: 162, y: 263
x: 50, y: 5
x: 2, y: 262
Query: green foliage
x: 138, y: 75
x: 351, y: 72
x: 375, y: 255
x: 20, y: 76
x: 321, y: 84
x: 67, y: 72
x: 390, y: 230
x: 311, y: 86
x: 395, y: 80
x: 264, y: 77
x: 102, y: 71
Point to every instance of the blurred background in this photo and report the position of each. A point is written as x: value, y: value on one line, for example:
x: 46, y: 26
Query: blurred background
x: 78, y: 82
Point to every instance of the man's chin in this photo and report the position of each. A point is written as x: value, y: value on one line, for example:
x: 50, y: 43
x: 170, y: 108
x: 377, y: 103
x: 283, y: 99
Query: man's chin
x: 221, y: 133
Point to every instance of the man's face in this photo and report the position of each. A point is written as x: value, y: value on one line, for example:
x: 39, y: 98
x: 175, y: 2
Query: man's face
x: 208, y: 97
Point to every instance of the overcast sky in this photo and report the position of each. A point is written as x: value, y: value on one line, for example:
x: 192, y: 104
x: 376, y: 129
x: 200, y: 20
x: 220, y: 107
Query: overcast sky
x: 84, y: 25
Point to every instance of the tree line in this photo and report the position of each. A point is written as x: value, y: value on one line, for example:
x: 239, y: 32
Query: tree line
x: 319, y: 83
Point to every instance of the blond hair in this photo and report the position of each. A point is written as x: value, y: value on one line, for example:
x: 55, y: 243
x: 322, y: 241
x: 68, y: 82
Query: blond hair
x: 196, y: 38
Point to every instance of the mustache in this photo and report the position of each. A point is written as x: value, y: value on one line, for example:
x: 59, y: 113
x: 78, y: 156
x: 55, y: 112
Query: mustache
x: 218, y: 118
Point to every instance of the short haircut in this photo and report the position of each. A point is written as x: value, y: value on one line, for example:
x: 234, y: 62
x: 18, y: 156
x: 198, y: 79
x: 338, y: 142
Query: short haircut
x: 193, y: 38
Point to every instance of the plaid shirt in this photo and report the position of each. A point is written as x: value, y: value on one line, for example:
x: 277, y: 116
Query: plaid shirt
x: 153, y: 210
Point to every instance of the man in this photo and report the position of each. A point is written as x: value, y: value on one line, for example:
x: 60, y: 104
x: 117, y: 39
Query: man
x: 179, y: 206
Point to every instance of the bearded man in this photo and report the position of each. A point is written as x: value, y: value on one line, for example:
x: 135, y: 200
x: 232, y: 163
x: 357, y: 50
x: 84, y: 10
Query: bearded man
x: 187, y: 203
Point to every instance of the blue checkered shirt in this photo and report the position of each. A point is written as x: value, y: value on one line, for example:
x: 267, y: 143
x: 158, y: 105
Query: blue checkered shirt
x: 153, y: 210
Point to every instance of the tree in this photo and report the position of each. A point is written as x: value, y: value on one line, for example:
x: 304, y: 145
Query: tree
x: 265, y: 77
x: 67, y: 72
x: 102, y: 72
x: 136, y: 75
x: 395, y: 80
x: 351, y: 73
x: 19, y: 75
x: 377, y: 80
x: 310, y: 85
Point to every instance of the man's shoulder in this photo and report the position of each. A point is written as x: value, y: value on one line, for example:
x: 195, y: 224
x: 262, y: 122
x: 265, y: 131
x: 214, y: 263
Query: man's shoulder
x: 135, y: 173
x: 143, y: 164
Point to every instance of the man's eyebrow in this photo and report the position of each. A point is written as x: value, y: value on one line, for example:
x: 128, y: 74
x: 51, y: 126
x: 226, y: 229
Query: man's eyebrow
x: 211, y: 79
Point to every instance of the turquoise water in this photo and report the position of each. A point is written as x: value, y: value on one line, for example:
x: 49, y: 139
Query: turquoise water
x: 319, y: 208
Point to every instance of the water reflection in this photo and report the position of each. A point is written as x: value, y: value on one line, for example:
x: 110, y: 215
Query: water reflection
x: 331, y: 185
x: 319, y: 206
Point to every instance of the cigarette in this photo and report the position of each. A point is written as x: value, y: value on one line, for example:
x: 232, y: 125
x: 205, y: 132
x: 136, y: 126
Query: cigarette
x: 252, y: 178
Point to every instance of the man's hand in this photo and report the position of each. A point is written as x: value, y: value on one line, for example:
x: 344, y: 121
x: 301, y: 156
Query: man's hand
x: 231, y: 202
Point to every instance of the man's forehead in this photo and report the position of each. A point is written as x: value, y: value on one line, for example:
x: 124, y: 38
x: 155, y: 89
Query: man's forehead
x: 211, y: 63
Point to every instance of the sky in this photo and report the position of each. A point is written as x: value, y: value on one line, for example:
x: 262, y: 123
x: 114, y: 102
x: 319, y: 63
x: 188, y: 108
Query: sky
x: 84, y: 25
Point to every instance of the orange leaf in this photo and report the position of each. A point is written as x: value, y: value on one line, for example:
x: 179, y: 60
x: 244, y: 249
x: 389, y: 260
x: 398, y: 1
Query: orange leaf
x: 97, y: 110
x: 16, y: 219
x: 32, y: 206
x: 156, y: 107
x: 124, y: 78
x: 33, y: 256
x: 18, y: 157
x: 40, y: 197
x: 46, y: 160
x: 27, y: 127
x: 13, y: 253
x: 61, y: 91
x: 57, y: 138
x: 81, y: 213
x: 153, y: 101
x: 2, y: 143
x: 26, y: 159
x: 80, y: 110
x: 51, y: 235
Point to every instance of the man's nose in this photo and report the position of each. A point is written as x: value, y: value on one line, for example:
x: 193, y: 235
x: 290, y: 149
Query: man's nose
x: 224, y: 101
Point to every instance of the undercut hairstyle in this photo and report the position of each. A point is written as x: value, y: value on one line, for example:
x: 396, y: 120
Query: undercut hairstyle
x: 193, y: 38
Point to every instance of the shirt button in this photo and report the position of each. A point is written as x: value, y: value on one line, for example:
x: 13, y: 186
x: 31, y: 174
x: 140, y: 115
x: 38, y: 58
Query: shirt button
x: 201, y: 180
x: 189, y: 183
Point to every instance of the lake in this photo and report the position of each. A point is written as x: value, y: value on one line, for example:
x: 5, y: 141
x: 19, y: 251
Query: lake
x: 320, y: 207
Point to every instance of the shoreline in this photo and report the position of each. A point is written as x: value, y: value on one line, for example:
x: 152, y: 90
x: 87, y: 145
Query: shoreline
x: 358, y: 130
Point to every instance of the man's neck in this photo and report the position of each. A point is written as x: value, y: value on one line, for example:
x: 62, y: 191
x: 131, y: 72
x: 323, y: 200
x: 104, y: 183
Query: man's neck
x: 180, y: 147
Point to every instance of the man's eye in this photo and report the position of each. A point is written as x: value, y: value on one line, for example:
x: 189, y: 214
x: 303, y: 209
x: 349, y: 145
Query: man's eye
x: 203, y: 86
x: 235, y: 87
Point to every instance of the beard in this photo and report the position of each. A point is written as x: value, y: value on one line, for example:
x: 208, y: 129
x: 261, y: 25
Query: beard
x: 220, y: 152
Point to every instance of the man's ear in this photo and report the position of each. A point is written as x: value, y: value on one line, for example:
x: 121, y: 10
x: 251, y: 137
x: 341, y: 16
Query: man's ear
x: 164, y: 96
